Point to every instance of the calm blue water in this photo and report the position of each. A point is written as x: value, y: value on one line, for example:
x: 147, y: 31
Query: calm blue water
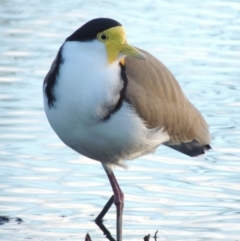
x: 55, y: 191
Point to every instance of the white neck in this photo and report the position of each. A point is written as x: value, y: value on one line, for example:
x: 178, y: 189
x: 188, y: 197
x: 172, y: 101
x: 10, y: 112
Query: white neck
x: 86, y: 79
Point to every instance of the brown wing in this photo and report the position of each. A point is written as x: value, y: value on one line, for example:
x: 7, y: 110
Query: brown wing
x: 156, y: 95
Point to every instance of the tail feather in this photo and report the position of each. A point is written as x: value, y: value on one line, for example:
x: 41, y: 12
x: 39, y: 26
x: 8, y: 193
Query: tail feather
x: 192, y: 148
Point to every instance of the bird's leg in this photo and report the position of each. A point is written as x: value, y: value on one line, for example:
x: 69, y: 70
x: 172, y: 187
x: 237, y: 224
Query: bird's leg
x: 104, y: 210
x: 118, y: 200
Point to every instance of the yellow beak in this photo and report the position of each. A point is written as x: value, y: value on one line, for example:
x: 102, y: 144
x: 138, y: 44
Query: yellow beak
x: 116, y: 43
x: 131, y: 51
x: 114, y: 48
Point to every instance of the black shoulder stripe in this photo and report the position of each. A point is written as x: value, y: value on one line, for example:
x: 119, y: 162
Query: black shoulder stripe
x: 51, y: 79
x: 113, y: 109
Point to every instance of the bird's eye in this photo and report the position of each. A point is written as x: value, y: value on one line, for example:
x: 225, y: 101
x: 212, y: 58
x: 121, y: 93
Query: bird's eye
x: 102, y: 37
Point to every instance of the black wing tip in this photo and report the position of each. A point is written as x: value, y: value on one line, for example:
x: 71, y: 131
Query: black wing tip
x: 207, y: 147
x: 192, y: 149
x: 198, y: 150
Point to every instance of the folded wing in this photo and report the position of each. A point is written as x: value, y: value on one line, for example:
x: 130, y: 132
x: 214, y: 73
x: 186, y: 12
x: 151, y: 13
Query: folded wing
x: 156, y: 95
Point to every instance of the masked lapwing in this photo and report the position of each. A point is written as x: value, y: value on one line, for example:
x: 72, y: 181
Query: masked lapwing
x: 112, y: 102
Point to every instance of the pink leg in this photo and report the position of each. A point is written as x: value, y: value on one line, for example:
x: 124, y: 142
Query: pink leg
x: 118, y: 200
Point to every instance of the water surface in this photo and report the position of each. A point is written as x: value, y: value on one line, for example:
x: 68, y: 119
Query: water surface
x: 56, y: 192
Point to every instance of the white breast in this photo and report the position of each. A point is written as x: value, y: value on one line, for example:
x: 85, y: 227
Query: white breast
x: 87, y: 81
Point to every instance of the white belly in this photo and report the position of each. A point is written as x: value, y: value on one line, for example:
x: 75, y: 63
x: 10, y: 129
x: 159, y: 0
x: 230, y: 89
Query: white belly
x: 123, y: 136
x: 82, y: 87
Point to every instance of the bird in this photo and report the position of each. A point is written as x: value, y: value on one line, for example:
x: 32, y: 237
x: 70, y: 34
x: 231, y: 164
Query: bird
x: 111, y: 102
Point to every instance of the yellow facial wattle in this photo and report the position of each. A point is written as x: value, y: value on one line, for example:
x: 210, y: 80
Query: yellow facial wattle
x: 115, y: 41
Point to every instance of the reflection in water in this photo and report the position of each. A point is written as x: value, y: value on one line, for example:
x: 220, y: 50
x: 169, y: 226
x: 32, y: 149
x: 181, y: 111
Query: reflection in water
x: 58, y: 193
x: 105, y: 231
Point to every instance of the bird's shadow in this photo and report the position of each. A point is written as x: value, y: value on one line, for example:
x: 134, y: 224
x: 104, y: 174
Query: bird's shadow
x: 99, y: 223
x: 108, y: 235
x: 105, y: 231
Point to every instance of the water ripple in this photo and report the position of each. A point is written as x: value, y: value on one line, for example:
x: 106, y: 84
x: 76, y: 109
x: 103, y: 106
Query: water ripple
x: 58, y: 193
